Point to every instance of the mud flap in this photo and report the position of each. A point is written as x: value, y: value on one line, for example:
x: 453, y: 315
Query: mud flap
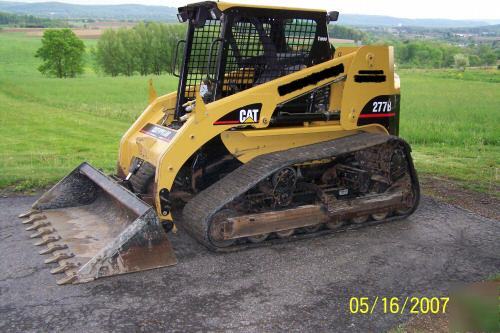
x: 93, y: 227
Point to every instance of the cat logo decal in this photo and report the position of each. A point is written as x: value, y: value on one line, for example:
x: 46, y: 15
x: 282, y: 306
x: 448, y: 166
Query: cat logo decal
x: 249, y: 114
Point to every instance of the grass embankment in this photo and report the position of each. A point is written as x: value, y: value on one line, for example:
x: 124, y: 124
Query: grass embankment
x: 452, y: 121
x: 50, y: 125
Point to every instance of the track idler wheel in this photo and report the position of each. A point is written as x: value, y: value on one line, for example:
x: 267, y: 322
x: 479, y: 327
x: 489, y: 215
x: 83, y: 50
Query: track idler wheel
x: 285, y: 233
x: 410, y: 200
x: 380, y: 216
x: 360, y: 219
x: 258, y: 238
x: 216, y: 228
x: 335, y: 224
x: 313, y: 228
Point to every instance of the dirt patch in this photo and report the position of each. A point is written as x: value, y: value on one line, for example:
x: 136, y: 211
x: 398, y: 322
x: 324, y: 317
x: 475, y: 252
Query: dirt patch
x: 90, y: 32
x: 82, y: 33
x: 428, y: 323
x: 452, y: 193
x: 425, y: 323
x: 38, y: 32
x: 12, y: 192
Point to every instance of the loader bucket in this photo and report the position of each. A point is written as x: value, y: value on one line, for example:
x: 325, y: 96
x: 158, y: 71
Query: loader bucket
x: 93, y: 227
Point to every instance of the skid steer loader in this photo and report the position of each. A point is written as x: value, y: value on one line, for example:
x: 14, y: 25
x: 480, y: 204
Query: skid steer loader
x: 272, y: 135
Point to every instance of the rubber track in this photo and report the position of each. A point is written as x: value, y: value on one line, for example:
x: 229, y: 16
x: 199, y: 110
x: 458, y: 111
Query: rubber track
x: 198, y: 211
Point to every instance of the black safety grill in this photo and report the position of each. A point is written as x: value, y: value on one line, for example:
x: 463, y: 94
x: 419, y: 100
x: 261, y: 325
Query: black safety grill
x: 262, y: 49
x: 203, y: 38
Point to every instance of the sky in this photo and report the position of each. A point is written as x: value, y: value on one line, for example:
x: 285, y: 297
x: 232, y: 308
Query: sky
x: 448, y: 9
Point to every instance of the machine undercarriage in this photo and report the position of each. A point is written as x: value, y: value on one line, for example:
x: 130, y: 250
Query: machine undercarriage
x: 329, y: 186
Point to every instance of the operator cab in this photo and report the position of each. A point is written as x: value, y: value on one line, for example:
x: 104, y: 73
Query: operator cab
x: 232, y: 47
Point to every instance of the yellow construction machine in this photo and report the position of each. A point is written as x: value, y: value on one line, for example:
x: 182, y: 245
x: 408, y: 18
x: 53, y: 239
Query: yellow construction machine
x: 273, y: 135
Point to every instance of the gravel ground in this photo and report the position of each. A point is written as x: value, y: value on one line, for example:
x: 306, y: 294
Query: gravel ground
x: 298, y: 286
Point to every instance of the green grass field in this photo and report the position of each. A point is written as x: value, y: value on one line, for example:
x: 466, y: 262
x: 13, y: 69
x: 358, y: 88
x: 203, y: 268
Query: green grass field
x: 452, y: 121
x: 51, y: 125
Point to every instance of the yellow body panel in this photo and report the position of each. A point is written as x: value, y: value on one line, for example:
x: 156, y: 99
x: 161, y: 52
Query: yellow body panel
x: 199, y: 128
x: 133, y: 142
x: 248, y: 144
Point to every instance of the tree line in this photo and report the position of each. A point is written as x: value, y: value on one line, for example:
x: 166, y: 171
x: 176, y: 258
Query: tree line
x: 29, y: 21
x: 441, y: 52
x: 343, y: 32
x: 431, y: 54
x: 147, y: 48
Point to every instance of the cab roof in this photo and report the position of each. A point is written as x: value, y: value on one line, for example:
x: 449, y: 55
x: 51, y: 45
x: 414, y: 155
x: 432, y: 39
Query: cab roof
x: 223, y: 6
x: 226, y: 5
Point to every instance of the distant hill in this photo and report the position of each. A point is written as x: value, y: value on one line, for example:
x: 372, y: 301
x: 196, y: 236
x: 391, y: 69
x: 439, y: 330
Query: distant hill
x: 375, y: 20
x: 162, y: 13
x: 61, y: 10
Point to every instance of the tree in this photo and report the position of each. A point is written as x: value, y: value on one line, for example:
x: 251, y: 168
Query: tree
x: 107, y: 54
x: 127, y: 43
x: 461, y: 61
x: 145, y: 48
x: 62, y: 52
x: 489, y: 58
x: 424, y: 54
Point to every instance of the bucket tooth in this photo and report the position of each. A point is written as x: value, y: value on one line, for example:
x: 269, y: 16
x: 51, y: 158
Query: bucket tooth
x: 91, y: 227
x: 59, y: 256
x: 37, y: 225
x: 34, y: 219
x: 47, y: 239
x: 53, y: 247
x: 41, y: 232
x: 67, y: 280
x: 62, y: 268
x: 28, y: 213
